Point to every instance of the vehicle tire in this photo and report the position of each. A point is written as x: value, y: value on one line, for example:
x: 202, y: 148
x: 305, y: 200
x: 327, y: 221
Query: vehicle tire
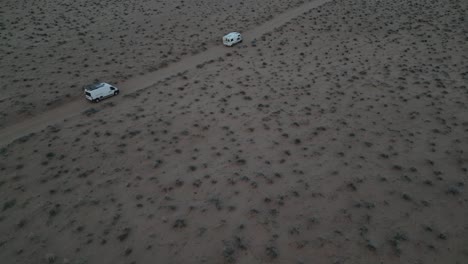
x: 97, y: 100
x: 116, y: 92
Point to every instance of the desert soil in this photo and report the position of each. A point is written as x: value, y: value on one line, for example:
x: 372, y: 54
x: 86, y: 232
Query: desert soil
x: 337, y: 132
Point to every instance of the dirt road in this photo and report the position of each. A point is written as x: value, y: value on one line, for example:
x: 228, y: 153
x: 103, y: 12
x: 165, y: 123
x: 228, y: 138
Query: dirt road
x: 76, y: 107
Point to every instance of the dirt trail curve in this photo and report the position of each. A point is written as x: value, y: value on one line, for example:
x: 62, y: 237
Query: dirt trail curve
x: 41, y: 121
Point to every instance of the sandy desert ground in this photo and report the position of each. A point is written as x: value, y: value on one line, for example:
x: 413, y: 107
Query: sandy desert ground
x: 50, y: 49
x: 339, y: 136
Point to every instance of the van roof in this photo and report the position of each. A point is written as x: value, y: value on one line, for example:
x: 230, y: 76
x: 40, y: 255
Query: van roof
x: 232, y: 35
x: 95, y: 86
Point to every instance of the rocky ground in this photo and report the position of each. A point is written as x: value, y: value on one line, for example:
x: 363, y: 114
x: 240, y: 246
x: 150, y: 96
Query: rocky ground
x: 50, y: 49
x: 339, y: 137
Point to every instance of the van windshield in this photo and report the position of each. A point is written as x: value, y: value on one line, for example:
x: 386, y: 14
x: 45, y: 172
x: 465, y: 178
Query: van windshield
x: 88, y: 94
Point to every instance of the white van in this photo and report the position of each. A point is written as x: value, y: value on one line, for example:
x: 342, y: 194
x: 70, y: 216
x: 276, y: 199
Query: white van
x: 232, y: 38
x: 99, y: 91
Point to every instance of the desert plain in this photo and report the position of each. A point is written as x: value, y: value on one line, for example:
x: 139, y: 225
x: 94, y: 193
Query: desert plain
x: 336, y: 132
